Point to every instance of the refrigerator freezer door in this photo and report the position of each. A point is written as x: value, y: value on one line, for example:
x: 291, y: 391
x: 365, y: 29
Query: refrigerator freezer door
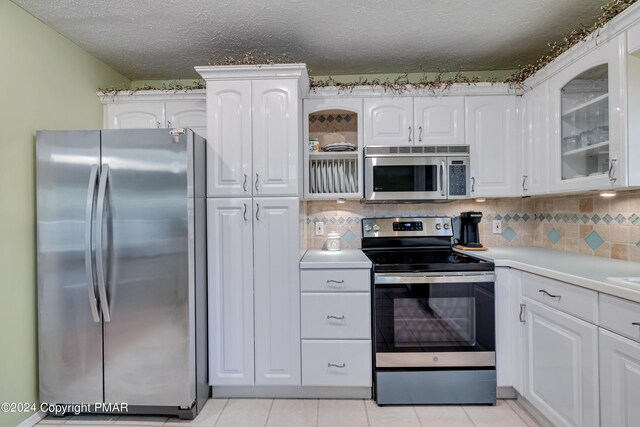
x: 69, y: 339
x: 149, y: 344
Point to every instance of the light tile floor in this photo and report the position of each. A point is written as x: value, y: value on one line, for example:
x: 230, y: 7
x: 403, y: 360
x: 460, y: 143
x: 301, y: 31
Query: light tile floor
x: 320, y: 413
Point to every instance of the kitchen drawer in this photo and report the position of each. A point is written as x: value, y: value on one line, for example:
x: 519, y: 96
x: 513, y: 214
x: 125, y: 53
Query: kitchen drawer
x: 618, y: 315
x: 336, y: 315
x: 336, y: 363
x: 580, y: 302
x: 335, y: 280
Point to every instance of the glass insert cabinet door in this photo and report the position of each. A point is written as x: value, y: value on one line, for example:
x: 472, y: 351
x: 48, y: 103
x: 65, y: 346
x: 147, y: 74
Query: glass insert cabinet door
x: 585, y: 124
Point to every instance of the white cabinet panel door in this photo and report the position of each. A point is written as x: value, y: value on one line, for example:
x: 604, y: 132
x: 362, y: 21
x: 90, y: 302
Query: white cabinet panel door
x: 276, y: 137
x: 561, y: 366
x: 135, y: 115
x: 388, y: 121
x: 535, y: 140
x: 619, y: 380
x: 439, y: 121
x: 230, y: 271
x: 229, y: 139
x: 508, y: 327
x: 187, y: 114
x: 490, y: 133
x: 277, y: 291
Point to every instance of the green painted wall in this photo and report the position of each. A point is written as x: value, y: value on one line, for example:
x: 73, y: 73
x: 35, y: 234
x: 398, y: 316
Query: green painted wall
x: 46, y: 82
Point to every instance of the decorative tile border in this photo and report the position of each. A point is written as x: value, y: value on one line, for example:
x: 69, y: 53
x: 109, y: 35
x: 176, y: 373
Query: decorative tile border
x: 595, y: 219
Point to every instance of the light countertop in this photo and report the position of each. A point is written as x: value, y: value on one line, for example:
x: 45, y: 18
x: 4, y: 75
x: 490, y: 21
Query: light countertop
x: 346, y: 258
x: 583, y: 270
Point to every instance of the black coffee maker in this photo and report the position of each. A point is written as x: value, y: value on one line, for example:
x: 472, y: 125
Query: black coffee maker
x: 469, y: 234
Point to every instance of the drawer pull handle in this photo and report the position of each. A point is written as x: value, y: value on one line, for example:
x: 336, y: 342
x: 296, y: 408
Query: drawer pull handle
x: 550, y: 295
x: 635, y: 323
x: 335, y: 281
x: 331, y: 316
x: 335, y: 365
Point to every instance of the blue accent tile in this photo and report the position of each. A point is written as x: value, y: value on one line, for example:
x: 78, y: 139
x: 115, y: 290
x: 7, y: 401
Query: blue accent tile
x: 358, y: 220
x: 507, y: 217
x: 315, y: 219
x: 333, y: 220
x: 574, y: 218
x: 565, y: 218
x: 608, y: 218
x: 638, y: 244
x: 347, y: 118
x: 554, y: 236
x: 489, y: 217
x: 620, y: 218
x: 498, y: 217
x: 509, y: 234
x: 557, y: 217
x: 585, y: 219
x: 595, y: 218
x: 634, y: 219
x: 349, y: 220
x: 516, y: 217
x: 526, y: 217
x: 594, y: 240
x: 349, y: 236
x: 307, y: 221
x: 548, y: 217
x: 341, y: 220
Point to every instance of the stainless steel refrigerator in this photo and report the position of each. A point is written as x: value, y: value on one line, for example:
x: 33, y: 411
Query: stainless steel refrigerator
x: 121, y: 256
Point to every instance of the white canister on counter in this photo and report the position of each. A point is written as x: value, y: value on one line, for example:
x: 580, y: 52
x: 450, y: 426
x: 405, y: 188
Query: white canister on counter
x: 333, y: 241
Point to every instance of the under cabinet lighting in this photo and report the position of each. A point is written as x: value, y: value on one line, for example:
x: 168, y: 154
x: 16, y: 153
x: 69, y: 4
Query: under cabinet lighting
x: 608, y: 194
x: 341, y: 201
x: 481, y: 200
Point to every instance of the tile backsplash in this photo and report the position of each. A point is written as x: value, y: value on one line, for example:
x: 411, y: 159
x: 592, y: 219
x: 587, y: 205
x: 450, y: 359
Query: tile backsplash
x: 585, y: 224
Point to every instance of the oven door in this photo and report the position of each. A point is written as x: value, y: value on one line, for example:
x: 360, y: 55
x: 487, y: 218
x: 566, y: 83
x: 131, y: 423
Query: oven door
x: 405, y: 178
x: 434, y: 319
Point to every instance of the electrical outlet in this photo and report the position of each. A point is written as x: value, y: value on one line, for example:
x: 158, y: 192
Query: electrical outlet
x: 320, y: 228
x: 497, y: 226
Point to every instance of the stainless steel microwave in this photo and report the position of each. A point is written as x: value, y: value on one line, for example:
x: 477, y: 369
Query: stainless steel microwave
x: 416, y: 173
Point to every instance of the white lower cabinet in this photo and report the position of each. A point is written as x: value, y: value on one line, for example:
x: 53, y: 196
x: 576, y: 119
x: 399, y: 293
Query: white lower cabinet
x: 561, y: 366
x: 336, y: 363
x: 254, y: 315
x: 619, y: 380
x: 336, y: 327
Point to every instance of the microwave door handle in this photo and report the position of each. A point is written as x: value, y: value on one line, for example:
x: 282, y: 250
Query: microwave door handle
x: 442, y: 166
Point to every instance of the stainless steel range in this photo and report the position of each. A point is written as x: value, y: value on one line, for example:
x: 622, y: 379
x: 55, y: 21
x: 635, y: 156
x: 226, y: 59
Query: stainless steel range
x: 433, y: 315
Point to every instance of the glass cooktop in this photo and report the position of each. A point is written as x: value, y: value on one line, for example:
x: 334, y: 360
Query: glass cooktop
x: 425, y: 260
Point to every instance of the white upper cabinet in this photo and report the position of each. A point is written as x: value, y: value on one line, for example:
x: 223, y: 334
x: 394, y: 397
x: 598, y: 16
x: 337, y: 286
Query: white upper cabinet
x: 439, y: 121
x: 187, y: 114
x: 588, y: 140
x: 229, y: 171
x: 135, y: 115
x: 254, y: 117
x: 276, y: 127
x: 535, y: 140
x: 492, y: 137
x: 388, y: 121
x: 332, y: 122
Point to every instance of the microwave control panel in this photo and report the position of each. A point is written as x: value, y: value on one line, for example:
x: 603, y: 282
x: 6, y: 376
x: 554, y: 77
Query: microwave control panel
x: 457, y: 178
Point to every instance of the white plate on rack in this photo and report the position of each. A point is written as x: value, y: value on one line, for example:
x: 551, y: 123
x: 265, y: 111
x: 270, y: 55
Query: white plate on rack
x: 336, y: 179
x: 342, y: 177
x: 352, y: 178
x: 318, y: 178
x: 312, y: 177
x: 325, y: 178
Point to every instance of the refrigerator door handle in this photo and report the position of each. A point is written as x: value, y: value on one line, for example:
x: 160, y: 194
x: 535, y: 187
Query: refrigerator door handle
x: 88, y: 240
x: 102, y: 190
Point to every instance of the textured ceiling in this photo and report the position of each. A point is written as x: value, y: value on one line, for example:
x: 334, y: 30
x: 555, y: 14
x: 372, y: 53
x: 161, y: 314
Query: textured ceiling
x: 165, y: 39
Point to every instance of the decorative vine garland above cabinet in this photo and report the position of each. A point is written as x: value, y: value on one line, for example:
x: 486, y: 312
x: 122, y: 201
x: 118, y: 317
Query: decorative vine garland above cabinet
x: 333, y: 148
x: 156, y: 109
x: 414, y: 121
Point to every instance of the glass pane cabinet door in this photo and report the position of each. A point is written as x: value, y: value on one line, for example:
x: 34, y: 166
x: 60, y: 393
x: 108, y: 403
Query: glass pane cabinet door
x: 585, y: 124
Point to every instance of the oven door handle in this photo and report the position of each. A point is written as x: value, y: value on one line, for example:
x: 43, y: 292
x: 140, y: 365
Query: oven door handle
x: 419, y: 278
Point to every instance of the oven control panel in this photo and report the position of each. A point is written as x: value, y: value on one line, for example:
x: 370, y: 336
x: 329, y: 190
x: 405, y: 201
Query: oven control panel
x: 407, y: 227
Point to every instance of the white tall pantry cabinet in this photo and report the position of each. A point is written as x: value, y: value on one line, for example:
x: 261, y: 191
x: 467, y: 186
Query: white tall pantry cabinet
x: 253, y: 162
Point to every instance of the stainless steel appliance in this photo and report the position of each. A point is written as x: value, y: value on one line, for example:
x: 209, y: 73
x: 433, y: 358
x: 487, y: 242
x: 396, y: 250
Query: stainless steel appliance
x: 121, y: 257
x: 433, y: 315
x: 416, y: 173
